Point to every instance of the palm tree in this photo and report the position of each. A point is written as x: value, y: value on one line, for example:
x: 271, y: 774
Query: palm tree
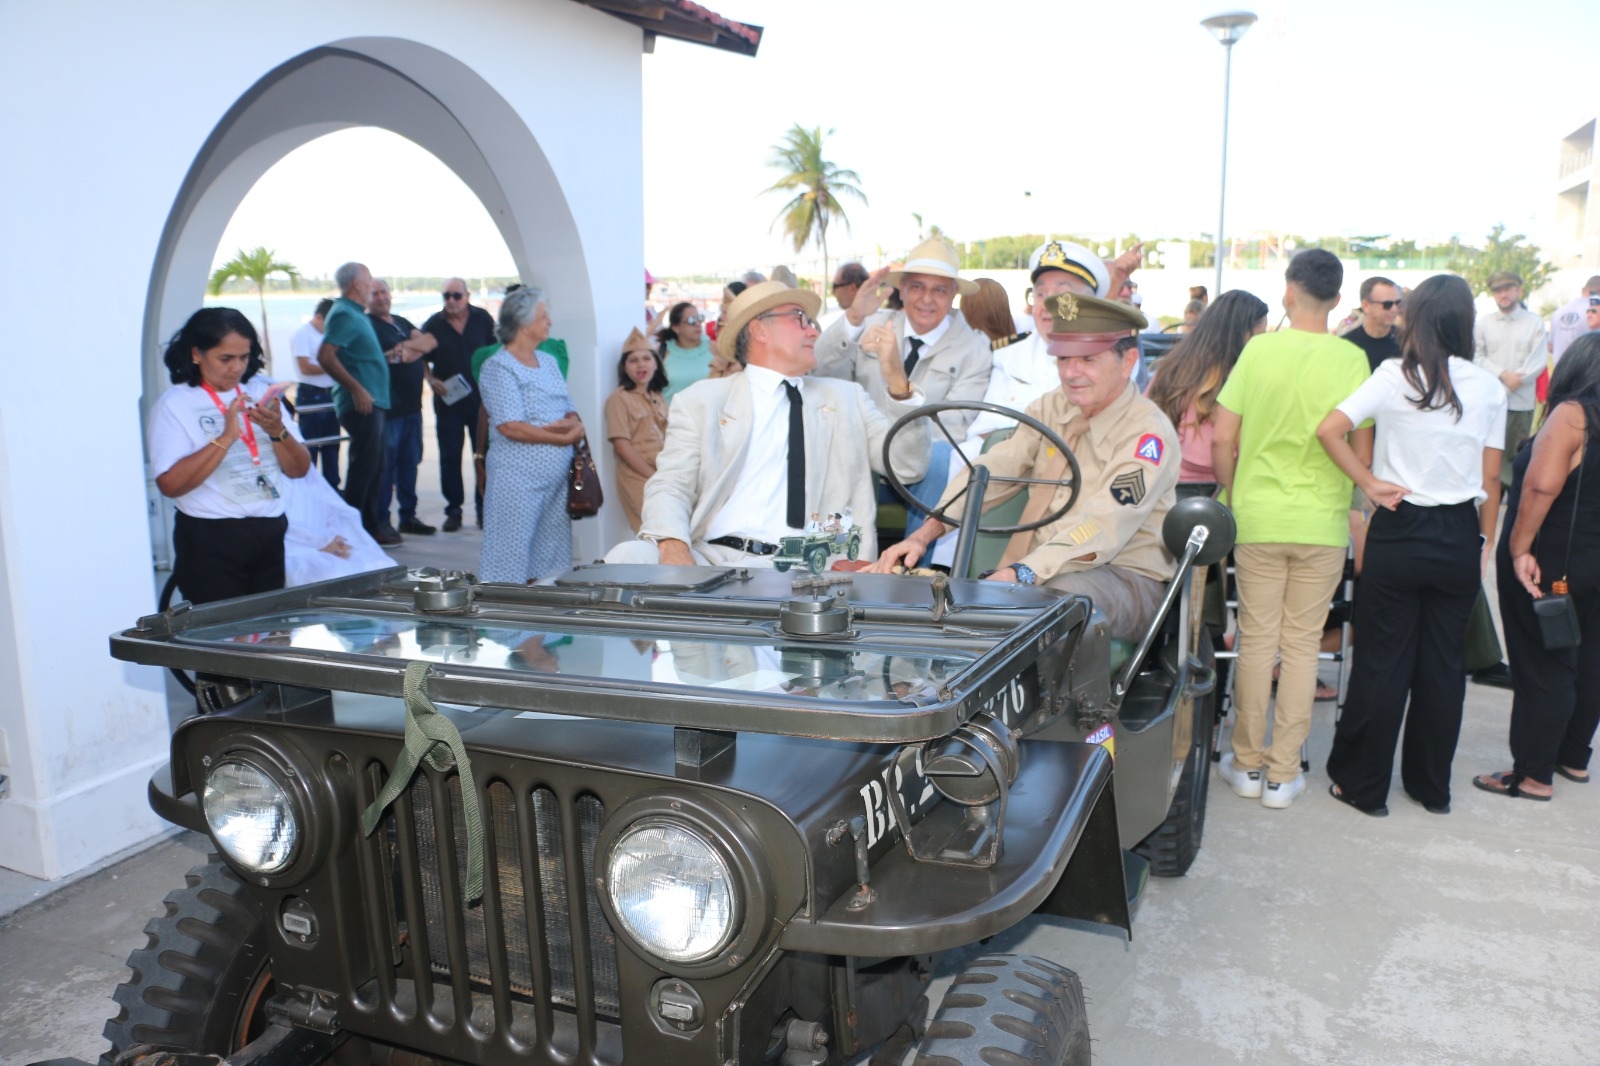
x: 254, y: 266
x: 816, y: 183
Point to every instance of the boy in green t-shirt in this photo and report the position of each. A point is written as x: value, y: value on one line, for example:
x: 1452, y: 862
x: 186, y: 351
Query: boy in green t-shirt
x: 1292, y: 506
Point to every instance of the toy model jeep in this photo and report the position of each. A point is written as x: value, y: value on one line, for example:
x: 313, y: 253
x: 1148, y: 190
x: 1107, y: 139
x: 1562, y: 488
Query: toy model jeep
x: 812, y: 550
x: 655, y: 815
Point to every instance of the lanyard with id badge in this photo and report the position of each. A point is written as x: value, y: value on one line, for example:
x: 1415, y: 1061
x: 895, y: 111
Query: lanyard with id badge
x: 246, y: 481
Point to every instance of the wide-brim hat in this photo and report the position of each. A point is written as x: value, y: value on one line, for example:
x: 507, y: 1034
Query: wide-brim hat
x: 937, y: 258
x: 758, y: 300
x: 1085, y: 325
x: 637, y: 342
x: 1073, y: 259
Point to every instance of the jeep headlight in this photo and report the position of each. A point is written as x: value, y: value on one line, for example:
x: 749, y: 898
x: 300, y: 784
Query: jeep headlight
x: 250, y: 816
x: 672, y: 890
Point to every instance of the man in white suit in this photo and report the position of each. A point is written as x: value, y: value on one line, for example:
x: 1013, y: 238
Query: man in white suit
x: 944, y: 358
x: 750, y: 457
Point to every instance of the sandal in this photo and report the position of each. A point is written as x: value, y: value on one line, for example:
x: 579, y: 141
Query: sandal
x: 1580, y: 776
x: 1326, y: 692
x: 1505, y: 784
x: 1370, y: 812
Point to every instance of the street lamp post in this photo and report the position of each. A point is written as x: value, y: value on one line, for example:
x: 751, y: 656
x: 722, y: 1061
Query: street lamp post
x: 1227, y: 28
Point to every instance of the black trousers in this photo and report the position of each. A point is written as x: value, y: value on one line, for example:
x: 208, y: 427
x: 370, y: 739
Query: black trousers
x: 1555, y: 704
x: 315, y: 424
x: 363, y: 478
x: 220, y: 558
x: 1418, y: 584
x: 454, y: 423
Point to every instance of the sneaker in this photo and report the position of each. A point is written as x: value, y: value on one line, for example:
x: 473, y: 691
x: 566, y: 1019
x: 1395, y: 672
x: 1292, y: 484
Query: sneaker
x: 1280, y: 794
x: 1246, y: 783
x: 412, y: 525
x: 386, y: 536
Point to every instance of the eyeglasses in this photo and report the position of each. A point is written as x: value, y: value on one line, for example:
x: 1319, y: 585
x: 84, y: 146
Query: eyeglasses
x: 455, y: 296
x: 805, y: 320
x: 690, y: 320
x: 846, y: 285
x: 1387, y: 305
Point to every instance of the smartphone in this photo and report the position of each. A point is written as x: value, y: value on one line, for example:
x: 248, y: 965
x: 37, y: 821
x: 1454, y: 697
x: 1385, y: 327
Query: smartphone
x: 274, y: 391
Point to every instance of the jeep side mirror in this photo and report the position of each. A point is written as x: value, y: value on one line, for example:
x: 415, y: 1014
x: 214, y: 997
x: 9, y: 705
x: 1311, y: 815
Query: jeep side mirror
x: 1186, y: 515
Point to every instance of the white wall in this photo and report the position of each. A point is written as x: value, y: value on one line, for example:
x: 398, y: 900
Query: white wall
x: 107, y: 107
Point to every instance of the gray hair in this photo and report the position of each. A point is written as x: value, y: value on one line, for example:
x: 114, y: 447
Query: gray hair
x: 741, y: 346
x: 752, y: 277
x: 517, y: 310
x: 346, y: 276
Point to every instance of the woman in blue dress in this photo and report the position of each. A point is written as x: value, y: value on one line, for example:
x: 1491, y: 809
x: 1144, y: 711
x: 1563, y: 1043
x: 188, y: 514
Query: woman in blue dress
x: 526, y: 532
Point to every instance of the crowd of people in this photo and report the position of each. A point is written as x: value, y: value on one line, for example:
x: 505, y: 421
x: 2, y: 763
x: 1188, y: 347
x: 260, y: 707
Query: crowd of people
x: 1392, y: 444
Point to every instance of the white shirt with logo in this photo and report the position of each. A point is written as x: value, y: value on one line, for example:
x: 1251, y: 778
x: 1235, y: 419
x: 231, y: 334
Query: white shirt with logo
x: 185, y: 420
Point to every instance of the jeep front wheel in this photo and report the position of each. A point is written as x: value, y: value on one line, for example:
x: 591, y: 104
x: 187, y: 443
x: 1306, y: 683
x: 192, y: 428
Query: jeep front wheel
x: 1009, y: 1008
x: 200, y: 982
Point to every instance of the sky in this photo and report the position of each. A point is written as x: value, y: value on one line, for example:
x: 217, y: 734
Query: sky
x: 1418, y: 119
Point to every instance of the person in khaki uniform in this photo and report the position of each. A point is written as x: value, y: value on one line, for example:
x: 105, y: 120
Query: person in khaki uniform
x: 1108, y: 547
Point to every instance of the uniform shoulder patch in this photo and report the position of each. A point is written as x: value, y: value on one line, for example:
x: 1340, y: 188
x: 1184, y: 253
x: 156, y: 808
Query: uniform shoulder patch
x: 1149, y: 449
x: 1006, y: 342
x: 1128, y: 489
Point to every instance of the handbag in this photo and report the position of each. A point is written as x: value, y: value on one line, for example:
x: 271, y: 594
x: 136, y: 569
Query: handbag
x: 1557, y: 614
x: 583, y: 483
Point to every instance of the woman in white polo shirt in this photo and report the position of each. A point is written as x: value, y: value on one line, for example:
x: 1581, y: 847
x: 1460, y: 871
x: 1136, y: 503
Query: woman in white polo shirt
x: 220, y: 453
x: 1435, y: 479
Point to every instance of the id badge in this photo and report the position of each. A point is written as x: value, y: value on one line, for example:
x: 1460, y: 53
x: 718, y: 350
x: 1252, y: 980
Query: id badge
x: 269, y: 491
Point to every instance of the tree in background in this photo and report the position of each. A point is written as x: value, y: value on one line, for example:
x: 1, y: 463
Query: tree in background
x: 1504, y: 253
x: 254, y: 266
x: 816, y: 183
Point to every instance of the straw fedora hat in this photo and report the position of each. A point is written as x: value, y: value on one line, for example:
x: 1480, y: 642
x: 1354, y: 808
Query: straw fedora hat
x: 637, y: 342
x: 936, y: 257
x: 758, y: 300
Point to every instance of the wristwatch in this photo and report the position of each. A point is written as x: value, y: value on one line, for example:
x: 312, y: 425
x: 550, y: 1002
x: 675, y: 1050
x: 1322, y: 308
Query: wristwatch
x: 1025, y: 574
x: 279, y: 439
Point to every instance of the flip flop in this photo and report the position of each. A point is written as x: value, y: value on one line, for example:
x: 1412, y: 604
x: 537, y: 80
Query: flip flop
x: 1580, y: 776
x: 1370, y: 812
x: 1332, y: 693
x: 1505, y: 784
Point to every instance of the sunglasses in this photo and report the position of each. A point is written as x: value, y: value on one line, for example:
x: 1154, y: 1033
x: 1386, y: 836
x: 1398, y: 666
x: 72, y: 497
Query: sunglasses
x: 690, y: 320
x: 1387, y: 305
x: 455, y: 295
x: 846, y: 285
x: 805, y: 320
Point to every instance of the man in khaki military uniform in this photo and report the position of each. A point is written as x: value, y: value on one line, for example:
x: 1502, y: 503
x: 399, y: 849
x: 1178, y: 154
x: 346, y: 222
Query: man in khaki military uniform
x: 1108, y: 547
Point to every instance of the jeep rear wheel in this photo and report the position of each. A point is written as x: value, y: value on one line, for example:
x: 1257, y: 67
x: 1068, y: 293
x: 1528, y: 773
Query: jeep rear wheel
x: 1009, y: 1009
x: 201, y: 981
x: 1172, y: 847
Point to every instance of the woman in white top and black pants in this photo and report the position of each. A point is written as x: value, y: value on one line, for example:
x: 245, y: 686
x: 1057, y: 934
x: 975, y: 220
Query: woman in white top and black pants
x: 1436, y: 480
x: 220, y: 454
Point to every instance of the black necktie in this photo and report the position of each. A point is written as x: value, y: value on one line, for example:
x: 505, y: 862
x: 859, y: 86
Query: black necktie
x: 916, y: 353
x: 797, y: 459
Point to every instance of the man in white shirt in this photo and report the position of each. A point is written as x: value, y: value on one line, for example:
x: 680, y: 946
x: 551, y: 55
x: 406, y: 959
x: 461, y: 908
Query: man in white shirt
x: 1509, y: 343
x: 846, y: 283
x: 315, y: 389
x: 750, y: 457
x: 1571, y: 321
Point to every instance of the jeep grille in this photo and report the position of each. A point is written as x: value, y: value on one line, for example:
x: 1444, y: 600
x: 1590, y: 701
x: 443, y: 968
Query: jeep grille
x: 538, y: 927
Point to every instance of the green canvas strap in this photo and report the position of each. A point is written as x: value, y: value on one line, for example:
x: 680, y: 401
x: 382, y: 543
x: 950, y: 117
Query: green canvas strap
x: 426, y: 730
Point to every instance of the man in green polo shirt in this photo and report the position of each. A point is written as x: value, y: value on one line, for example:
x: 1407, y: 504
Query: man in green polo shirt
x: 1292, y: 505
x: 352, y: 356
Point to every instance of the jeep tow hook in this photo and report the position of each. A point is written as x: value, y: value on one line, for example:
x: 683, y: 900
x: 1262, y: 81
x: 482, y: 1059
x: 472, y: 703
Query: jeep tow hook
x: 856, y: 829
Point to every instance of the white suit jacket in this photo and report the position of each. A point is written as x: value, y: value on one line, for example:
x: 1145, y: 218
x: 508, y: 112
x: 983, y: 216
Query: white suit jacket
x: 708, y: 429
x: 956, y: 367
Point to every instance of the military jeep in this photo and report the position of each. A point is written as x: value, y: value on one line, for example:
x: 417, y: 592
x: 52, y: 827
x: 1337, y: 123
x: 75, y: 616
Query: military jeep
x: 657, y: 815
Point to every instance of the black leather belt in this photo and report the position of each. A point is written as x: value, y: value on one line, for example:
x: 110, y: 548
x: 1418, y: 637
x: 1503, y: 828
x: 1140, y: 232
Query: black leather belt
x: 750, y: 547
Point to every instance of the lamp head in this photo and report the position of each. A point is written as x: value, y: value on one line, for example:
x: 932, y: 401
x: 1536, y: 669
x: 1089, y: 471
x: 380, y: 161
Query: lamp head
x: 1229, y: 27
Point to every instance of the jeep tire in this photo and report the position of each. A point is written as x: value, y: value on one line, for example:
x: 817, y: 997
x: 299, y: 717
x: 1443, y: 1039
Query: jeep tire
x: 1009, y: 1008
x: 200, y: 981
x: 1171, y: 847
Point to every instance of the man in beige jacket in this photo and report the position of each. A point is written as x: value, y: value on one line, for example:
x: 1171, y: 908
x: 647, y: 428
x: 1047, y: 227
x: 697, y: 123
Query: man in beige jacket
x: 1108, y: 546
x: 748, y: 458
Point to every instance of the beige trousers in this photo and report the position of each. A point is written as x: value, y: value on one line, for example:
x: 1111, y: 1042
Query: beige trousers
x: 1284, y: 593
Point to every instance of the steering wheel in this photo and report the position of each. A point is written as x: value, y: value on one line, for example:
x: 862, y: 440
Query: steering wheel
x: 933, y: 411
